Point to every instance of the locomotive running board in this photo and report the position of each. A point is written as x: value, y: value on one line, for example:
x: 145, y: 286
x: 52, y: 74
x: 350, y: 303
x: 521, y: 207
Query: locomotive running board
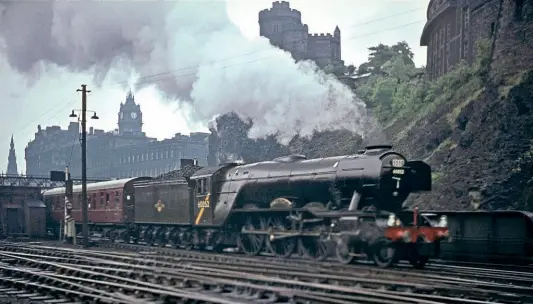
x: 271, y: 210
x: 283, y: 235
x: 316, y: 212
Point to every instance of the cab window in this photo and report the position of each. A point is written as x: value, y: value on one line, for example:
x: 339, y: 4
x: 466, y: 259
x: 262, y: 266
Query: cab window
x: 202, y: 186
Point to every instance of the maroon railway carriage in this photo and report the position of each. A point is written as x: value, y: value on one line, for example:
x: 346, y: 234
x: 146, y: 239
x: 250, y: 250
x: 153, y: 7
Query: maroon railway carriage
x: 105, y: 201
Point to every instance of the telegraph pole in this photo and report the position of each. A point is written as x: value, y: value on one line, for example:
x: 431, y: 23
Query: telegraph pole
x: 84, y: 209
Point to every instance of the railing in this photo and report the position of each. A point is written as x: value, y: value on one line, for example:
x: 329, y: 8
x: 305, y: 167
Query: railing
x: 38, y: 181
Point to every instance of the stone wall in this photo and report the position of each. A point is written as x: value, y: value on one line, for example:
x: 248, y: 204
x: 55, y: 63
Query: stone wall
x: 509, y: 22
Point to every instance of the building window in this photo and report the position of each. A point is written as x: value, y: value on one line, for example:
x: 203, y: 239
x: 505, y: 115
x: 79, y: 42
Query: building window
x: 492, y: 28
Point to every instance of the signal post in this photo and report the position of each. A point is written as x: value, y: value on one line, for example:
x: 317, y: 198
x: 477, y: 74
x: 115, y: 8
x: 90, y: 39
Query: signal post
x: 70, y: 222
x: 67, y: 232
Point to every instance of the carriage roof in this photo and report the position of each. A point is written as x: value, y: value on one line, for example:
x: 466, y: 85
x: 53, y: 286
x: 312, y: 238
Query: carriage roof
x: 112, y: 184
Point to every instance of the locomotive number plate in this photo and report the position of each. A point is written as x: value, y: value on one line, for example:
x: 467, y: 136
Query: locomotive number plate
x: 203, y: 204
x: 398, y: 162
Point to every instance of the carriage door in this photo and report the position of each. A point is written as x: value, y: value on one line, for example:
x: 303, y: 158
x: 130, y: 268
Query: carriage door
x: 203, y: 208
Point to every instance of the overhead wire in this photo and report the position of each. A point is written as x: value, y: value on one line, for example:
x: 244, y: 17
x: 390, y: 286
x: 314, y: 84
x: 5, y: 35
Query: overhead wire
x: 122, y: 83
x: 147, y: 79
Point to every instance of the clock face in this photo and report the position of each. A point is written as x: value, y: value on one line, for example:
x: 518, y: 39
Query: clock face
x: 133, y: 115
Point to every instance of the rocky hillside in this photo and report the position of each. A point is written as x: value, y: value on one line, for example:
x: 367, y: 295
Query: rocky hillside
x: 473, y: 125
x: 479, y: 147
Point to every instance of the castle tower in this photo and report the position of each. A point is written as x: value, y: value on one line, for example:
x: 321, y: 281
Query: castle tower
x: 337, y: 43
x: 283, y: 27
x: 12, y: 159
x: 130, y: 117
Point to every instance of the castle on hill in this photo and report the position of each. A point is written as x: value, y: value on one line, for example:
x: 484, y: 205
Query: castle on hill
x: 283, y: 26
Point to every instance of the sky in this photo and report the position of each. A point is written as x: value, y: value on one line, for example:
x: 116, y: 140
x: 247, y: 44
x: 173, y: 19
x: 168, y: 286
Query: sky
x: 45, y: 92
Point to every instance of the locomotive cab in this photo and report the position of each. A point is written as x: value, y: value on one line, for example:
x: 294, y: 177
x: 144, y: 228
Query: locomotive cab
x: 202, y: 200
x: 209, y: 194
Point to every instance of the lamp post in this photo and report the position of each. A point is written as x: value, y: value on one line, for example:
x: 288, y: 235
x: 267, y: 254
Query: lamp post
x: 84, y: 209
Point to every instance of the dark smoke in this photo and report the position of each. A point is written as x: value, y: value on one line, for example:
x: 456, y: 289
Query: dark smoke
x: 266, y: 87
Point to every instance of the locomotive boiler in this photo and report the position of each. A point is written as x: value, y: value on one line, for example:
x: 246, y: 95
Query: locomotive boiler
x: 376, y: 178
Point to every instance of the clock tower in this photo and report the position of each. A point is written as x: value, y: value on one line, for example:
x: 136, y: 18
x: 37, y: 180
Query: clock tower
x: 130, y: 117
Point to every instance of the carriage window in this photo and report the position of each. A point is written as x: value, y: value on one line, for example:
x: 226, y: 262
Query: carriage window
x: 117, y: 199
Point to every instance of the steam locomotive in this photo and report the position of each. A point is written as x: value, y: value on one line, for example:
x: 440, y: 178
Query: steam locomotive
x: 288, y: 205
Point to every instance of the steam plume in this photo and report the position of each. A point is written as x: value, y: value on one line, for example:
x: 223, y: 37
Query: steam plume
x: 266, y: 87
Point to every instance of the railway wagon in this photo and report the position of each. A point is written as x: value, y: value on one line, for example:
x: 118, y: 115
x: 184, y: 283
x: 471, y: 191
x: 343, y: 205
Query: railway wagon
x: 497, y: 236
x: 106, y: 202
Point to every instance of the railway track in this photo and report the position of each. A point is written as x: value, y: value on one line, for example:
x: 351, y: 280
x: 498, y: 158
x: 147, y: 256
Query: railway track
x: 166, y: 273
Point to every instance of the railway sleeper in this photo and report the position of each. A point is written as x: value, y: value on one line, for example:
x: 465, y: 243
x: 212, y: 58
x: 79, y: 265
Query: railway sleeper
x: 196, y: 286
x: 481, y: 295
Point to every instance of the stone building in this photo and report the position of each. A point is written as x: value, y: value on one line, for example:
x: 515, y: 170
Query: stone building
x: 284, y: 28
x: 124, y: 152
x: 12, y: 159
x: 453, y: 27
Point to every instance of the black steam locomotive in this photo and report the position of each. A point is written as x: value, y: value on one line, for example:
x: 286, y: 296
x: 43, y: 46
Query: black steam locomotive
x: 284, y: 204
x: 291, y: 204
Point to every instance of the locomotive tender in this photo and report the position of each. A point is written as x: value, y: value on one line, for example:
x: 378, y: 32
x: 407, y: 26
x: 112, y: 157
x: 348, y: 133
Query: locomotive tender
x: 291, y: 204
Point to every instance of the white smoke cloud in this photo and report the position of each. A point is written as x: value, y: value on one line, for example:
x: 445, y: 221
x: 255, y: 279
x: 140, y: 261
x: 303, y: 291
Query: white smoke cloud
x: 201, y: 47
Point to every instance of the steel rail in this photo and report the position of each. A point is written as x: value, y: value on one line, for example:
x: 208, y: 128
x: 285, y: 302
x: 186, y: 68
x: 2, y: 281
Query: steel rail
x: 222, y: 270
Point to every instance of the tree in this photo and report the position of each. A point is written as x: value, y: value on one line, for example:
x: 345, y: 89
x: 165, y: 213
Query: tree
x: 350, y: 69
x: 381, y: 54
x: 394, y: 80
